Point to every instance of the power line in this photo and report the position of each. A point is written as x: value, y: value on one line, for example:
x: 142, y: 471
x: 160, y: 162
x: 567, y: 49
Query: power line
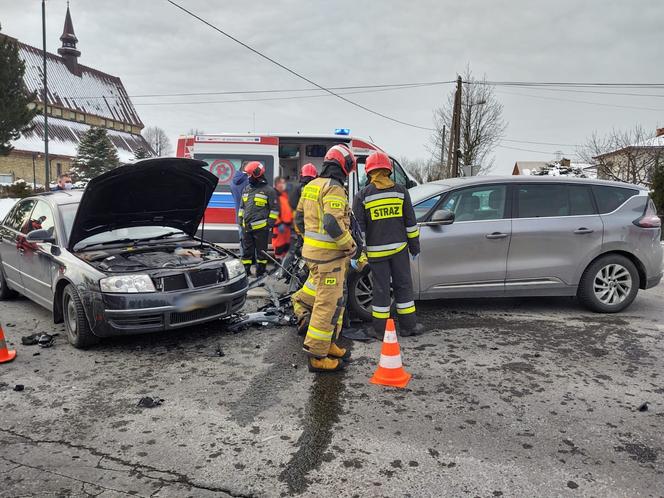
x: 540, y: 143
x: 559, y: 99
x: 395, y: 86
x: 294, y: 73
x: 290, y: 97
x: 566, y: 84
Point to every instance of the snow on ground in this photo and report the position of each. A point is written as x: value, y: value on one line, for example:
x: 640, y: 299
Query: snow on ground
x: 5, y: 206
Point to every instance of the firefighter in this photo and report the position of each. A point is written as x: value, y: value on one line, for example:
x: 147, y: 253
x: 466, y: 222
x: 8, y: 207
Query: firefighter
x: 323, y: 217
x: 386, y: 216
x: 258, y: 211
x: 307, y: 173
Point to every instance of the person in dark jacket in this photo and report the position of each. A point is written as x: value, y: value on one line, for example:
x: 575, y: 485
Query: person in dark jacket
x: 259, y: 209
x: 238, y: 184
x: 385, y: 214
x: 307, y: 173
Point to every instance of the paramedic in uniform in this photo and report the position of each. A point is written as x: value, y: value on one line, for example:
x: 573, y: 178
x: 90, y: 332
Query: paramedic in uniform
x: 259, y: 210
x: 323, y: 217
x: 386, y: 216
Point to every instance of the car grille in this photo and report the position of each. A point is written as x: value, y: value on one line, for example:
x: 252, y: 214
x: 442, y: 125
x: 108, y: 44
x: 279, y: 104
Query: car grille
x: 174, y: 282
x: 203, y: 278
x: 190, y: 316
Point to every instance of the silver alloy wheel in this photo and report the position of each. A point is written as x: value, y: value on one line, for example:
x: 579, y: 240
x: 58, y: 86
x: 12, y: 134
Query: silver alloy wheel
x: 612, y: 284
x: 364, y: 291
x: 71, y: 316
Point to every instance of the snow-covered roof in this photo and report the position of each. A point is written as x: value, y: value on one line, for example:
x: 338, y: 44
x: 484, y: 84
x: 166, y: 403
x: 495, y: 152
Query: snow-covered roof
x: 86, y: 90
x: 64, y: 137
x: 654, y: 143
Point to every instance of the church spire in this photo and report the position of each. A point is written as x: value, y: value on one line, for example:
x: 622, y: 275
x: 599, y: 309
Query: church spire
x: 68, y: 50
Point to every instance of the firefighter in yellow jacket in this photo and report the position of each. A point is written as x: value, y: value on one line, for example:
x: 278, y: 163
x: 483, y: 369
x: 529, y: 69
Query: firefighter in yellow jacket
x: 323, y: 217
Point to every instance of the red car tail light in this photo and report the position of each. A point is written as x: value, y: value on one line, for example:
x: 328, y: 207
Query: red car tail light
x: 649, y: 218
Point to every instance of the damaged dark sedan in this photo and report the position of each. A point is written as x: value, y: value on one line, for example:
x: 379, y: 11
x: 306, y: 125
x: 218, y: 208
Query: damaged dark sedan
x: 122, y: 256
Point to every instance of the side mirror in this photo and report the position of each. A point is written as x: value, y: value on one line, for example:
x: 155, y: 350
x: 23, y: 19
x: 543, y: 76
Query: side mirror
x: 441, y: 217
x: 411, y: 183
x: 40, y: 236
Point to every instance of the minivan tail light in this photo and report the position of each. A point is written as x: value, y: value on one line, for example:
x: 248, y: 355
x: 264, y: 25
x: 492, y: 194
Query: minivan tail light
x: 649, y: 218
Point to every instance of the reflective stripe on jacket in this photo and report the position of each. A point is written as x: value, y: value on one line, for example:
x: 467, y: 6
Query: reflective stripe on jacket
x: 320, y: 197
x: 388, y: 220
x: 259, y: 207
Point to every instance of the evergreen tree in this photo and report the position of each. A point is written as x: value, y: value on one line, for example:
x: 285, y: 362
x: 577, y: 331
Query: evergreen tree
x: 96, y: 155
x: 141, y: 153
x: 15, y: 116
x: 658, y: 186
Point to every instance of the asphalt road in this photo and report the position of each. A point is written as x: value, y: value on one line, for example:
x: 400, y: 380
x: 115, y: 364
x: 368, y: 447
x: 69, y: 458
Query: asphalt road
x: 532, y: 397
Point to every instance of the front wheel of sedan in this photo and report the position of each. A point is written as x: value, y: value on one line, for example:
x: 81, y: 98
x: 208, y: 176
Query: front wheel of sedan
x: 78, y: 330
x: 5, y: 291
x: 609, y: 284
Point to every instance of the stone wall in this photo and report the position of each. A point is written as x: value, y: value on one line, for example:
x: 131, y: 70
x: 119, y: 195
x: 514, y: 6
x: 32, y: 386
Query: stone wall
x: 19, y: 165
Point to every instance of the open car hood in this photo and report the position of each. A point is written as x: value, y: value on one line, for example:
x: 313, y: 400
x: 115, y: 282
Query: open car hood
x: 171, y: 192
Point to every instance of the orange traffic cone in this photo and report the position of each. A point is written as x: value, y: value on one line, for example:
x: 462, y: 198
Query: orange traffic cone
x: 390, y: 371
x: 5, y: 354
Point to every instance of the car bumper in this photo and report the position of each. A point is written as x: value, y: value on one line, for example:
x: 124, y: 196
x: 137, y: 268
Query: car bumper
x: 128, y: 314
x: 653, y: 281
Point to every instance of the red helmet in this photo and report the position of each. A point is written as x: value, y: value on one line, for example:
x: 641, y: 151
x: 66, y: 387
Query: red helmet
x: 254, y: 169
x: 309, y: 170
x: 378, y: 160
x: 343, y: 156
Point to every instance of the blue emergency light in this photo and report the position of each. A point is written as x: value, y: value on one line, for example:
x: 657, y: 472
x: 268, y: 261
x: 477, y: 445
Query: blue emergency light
x: 342, y: 131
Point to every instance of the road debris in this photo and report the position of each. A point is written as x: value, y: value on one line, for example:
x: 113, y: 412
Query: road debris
x: 149, y: 402
x: 42, y: 338
x: 19, y: 387
x: 643, y: 407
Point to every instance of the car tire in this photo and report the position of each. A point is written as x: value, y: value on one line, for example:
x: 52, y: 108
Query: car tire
x: 5, y: 291
x: 77, y: 327
x: 609, y: 284
x: 360, y: 293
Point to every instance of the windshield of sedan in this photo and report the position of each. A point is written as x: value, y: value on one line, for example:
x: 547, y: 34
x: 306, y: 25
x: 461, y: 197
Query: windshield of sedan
x: 68, y: 212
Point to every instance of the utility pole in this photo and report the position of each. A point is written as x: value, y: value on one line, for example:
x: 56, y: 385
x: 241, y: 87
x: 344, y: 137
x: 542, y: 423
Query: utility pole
x: 442, y: 149
x: 47, y: 163
x: 457, y: 128
x: 455, y: 134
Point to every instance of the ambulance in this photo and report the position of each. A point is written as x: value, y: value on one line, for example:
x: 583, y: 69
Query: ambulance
x: 282, y: 154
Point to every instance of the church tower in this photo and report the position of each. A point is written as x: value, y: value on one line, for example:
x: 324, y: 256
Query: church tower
x: 68, y: 49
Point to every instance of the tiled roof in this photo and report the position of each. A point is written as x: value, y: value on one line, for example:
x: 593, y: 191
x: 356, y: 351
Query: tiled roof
x: 90, y: 91
x: 64, y: 137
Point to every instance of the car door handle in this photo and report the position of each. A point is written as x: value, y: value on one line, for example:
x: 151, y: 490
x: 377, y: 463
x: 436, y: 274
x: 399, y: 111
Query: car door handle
x: 584, y: 230
x: 496, y: 235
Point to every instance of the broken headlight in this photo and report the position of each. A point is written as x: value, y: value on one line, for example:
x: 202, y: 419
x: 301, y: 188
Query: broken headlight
x: 235, y: 268
x: 127, y: 284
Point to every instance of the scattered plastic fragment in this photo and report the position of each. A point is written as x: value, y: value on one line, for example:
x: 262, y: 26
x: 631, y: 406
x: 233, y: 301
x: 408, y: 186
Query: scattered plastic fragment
x: 149, y: 402
x: 19, y: 387
x: 643, y: 407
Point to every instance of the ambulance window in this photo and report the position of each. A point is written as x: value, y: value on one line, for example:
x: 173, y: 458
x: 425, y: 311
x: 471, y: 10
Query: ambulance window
x: 399, y: 175
x: 316, y: 150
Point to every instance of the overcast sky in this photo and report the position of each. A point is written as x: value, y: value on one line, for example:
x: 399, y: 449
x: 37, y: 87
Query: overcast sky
x: 156, y: 48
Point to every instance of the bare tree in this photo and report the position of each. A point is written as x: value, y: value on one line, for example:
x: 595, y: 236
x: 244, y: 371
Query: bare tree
x: 624, y: 155
x: 482, y: 127
x: 195, y: 131
x: 420, y: 169
x: 158, y: 140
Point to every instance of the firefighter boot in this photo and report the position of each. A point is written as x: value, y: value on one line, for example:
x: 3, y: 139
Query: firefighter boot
x: 325, y: 365
x: 337, y: 352
x: 260, y: 269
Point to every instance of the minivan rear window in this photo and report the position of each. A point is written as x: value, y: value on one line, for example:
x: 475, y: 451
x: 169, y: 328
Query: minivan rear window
x: 553, y: 200
x: 610, y: 198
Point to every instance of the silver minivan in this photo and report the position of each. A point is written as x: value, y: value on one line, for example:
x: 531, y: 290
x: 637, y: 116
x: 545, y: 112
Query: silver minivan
x: 531, y: 236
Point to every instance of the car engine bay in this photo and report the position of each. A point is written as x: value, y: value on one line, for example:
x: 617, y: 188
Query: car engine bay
x: 142, y: 258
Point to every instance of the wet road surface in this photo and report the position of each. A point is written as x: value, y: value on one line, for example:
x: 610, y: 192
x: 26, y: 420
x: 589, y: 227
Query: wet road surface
x: 533, y: 397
